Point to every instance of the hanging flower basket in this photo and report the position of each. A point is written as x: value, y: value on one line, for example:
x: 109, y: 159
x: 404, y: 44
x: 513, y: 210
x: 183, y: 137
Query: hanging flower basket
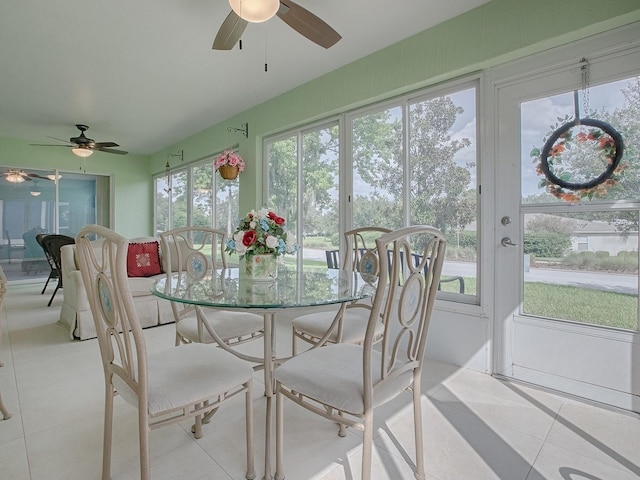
x: 229, y: 172
x: 229, y: 164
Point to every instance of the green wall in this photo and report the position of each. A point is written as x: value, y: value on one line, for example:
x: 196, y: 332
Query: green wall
x: 129, y: 173
x: 494, y: 33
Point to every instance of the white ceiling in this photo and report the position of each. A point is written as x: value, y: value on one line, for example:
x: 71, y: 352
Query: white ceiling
x: 142, y: 72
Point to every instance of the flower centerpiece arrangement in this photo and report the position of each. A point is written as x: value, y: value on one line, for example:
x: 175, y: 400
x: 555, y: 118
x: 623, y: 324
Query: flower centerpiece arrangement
x: 260, y: 238
x: 229, y: 164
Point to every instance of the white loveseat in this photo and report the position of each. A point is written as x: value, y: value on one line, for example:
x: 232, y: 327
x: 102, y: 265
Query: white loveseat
x: 75, y: 312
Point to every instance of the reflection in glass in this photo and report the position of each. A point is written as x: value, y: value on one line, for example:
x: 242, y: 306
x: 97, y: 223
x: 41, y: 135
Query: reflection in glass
x: 30, y: 207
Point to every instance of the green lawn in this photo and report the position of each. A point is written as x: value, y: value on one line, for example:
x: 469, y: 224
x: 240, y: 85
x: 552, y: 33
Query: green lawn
x: 564, y: 302
x: 572, y: 303
x: 581, y: 305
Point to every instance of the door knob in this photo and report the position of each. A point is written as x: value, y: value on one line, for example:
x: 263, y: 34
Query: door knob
x: 506, y: 242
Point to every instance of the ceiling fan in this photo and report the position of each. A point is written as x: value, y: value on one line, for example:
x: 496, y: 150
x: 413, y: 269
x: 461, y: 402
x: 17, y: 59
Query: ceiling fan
x: 82, y: 146
x: 15, y: 175
x: 297, y: 17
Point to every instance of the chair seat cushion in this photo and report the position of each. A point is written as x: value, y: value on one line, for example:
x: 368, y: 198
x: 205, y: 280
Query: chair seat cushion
x: 187, y: 374
x: 227, y: 324
x: 333, y: 375
x: 355, y: 322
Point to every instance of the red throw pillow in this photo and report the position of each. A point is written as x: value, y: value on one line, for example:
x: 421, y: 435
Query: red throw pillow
x: 143, y: 259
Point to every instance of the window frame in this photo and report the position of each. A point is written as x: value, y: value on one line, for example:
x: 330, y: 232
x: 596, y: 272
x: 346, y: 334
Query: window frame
x: 189, y: 168
x: 345, y: 197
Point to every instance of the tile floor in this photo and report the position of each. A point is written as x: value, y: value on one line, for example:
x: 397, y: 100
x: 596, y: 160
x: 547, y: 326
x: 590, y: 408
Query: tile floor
x: 476, y: 427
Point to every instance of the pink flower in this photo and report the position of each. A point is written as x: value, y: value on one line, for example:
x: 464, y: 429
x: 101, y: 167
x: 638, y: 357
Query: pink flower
x: 231, y: 158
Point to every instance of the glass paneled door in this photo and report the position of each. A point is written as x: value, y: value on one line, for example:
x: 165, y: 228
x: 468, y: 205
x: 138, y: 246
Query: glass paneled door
x: 566, y: 290
x: 41, y: 201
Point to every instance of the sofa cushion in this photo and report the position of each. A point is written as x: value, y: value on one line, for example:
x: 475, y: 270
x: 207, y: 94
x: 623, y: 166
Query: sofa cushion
x: 143, y: 259
x: 141, y: 286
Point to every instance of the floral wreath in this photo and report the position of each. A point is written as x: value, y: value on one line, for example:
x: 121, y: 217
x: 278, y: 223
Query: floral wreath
x: 557, y: 181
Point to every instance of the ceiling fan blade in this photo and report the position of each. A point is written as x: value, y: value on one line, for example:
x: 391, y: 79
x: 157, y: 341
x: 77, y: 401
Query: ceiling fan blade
x: 111, y: 150
x: 59, y: 139
x: 35, y: 175
x: 101, y: 145
x: 307, y: 24
x: 230, y: 32
x: 49, y: 145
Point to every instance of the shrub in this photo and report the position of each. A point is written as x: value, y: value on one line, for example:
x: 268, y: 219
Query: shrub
x: 466, y: 239
x: 598, y: 261
x: 546, y: 244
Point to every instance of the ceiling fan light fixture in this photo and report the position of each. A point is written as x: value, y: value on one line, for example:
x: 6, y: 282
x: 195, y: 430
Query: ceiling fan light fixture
x: 35, y: 193
x: 82, y: 152
x: 54, y: 177
x: 14, y: 176
x: 255, y: 11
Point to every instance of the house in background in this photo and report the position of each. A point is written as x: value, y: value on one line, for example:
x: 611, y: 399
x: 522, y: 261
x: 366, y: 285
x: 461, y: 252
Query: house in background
x: 602, y: 237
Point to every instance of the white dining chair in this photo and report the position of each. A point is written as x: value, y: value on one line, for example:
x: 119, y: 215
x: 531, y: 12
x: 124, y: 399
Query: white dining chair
x: 346, y: 382
x: 349, y: 323
x: 3, y: 290
x: 166, y: 387
x: 193, y: 252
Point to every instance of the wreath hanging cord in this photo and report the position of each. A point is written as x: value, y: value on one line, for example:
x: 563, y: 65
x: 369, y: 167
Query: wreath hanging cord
x: 608, y: 142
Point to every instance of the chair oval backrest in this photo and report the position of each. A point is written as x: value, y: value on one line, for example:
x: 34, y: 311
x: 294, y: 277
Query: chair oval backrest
x: 361, y: 250
x: 404, y: 298
x: 193, y: 251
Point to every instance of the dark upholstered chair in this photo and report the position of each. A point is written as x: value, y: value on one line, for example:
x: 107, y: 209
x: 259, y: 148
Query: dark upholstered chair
x: 51, y: 244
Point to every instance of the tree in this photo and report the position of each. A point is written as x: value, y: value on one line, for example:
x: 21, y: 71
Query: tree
x: 319, y: 177
x: 627, y: 121
x: 438, y: 185
x: 550, y: 224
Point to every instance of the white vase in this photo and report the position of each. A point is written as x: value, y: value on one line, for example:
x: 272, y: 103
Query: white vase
x: 262, y: 268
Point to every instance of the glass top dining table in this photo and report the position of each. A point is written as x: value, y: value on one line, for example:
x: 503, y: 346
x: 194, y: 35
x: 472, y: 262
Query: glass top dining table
x: 231, y: 289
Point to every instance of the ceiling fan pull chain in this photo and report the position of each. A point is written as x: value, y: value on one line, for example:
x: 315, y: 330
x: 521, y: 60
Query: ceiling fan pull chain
x: 266, y: 41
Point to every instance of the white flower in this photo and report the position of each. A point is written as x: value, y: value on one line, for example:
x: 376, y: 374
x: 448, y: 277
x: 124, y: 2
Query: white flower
x: 263, y: 212
x: 240, y: 248
x: 271, y: 241
x: 238, y: 237
x: 291, y: 243
x: 253, y: 224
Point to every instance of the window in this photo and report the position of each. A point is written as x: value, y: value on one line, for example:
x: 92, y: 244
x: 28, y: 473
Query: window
x: 196, y: 195
x: 410, y: 161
